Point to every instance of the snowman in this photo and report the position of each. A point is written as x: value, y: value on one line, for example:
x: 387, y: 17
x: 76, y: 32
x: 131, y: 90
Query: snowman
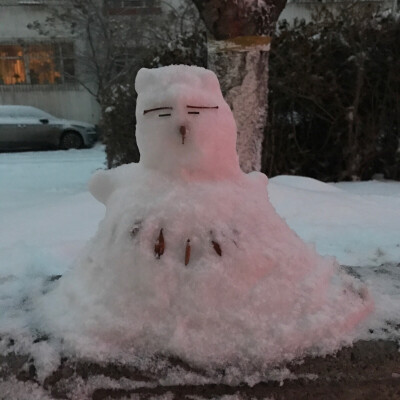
x: 191, y: 259
x: 175, y: 111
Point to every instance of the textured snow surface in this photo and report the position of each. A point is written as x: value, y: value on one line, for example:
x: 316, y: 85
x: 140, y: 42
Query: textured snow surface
x: 16, y: 390
x: 359, y: 223
x: 268, y: 298
x: 250, y: 294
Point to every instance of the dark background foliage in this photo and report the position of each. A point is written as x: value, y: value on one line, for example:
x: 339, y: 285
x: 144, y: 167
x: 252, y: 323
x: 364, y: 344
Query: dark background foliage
x: 334, y: 109
x: 334, y: 102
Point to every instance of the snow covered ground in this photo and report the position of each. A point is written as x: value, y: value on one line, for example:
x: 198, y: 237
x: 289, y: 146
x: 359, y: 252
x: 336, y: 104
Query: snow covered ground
x: 357, y: 222
x: 47, y: 215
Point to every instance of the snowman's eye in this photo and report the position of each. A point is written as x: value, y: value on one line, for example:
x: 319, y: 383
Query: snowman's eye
x: 164, y: 115
x: 200, y: 108
x: 157, y: 109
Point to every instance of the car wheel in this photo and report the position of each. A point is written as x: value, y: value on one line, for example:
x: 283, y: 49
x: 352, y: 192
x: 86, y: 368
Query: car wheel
x: 71, y: 140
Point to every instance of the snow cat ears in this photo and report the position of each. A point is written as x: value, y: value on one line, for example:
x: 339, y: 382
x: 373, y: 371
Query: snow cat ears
x: 160, y: 78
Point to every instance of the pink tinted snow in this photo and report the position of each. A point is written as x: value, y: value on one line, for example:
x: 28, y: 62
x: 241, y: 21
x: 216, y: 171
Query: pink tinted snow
x: 268, y: 298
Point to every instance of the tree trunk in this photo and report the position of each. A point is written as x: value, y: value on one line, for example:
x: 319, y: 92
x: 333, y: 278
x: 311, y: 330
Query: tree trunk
x: 243, y: 75
x: 238, y: 52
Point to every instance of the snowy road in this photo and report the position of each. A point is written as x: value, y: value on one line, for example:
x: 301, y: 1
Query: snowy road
x: 44, y: 202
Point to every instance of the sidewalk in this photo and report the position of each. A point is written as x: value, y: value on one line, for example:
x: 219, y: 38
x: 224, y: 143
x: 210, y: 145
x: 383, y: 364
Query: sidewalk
x: 367, y: 371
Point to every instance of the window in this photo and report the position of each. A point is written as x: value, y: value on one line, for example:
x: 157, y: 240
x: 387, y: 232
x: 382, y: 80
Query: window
x: 132, y: 7
x: 132, y: 3
x: 36, y: 63
x: 12, y: 66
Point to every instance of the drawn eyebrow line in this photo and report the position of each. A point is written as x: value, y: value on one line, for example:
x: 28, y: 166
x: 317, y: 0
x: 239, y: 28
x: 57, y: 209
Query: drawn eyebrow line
x: 156, y: 109
x: 201, y: 107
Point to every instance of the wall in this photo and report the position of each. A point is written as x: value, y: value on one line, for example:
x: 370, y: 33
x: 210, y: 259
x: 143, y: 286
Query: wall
x: 14, y: 19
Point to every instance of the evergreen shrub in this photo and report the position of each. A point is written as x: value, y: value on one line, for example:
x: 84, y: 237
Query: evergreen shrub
x: 334, y: 98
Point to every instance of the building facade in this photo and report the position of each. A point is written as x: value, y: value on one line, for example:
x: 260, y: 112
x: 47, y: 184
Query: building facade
x: 43, y: 70
x: 37, y: 70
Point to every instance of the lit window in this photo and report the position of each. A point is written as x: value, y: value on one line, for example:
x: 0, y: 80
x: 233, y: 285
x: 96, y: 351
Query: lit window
x: 39, y: 63
x: 12, y: 65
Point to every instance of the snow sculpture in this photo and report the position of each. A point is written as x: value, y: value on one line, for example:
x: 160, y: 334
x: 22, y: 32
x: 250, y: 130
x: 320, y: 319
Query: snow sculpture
x: 191, y: 259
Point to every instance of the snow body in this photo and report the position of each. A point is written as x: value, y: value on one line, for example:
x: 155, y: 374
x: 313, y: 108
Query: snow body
x: 265, y: 298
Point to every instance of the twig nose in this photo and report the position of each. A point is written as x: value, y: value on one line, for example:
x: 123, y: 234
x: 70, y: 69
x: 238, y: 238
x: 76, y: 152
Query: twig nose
x: 182, y: 131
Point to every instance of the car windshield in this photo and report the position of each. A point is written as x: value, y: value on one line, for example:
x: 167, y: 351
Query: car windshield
x: 23, y: 112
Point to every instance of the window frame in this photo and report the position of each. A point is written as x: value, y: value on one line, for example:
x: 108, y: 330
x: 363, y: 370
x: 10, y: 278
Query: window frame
x: 132, y: 7
x: 133, y: 3
x: 59, y: 58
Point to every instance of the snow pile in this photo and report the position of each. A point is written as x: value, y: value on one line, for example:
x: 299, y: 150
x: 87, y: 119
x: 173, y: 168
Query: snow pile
x: 191, y: 259
x: 267, y: 298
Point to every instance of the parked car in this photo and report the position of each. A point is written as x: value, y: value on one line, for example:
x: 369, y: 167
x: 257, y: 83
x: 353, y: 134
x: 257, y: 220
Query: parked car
x: 25, y: 127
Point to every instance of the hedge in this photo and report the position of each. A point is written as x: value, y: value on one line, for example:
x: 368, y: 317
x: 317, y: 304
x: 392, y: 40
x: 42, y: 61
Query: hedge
x: 334, y: 99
